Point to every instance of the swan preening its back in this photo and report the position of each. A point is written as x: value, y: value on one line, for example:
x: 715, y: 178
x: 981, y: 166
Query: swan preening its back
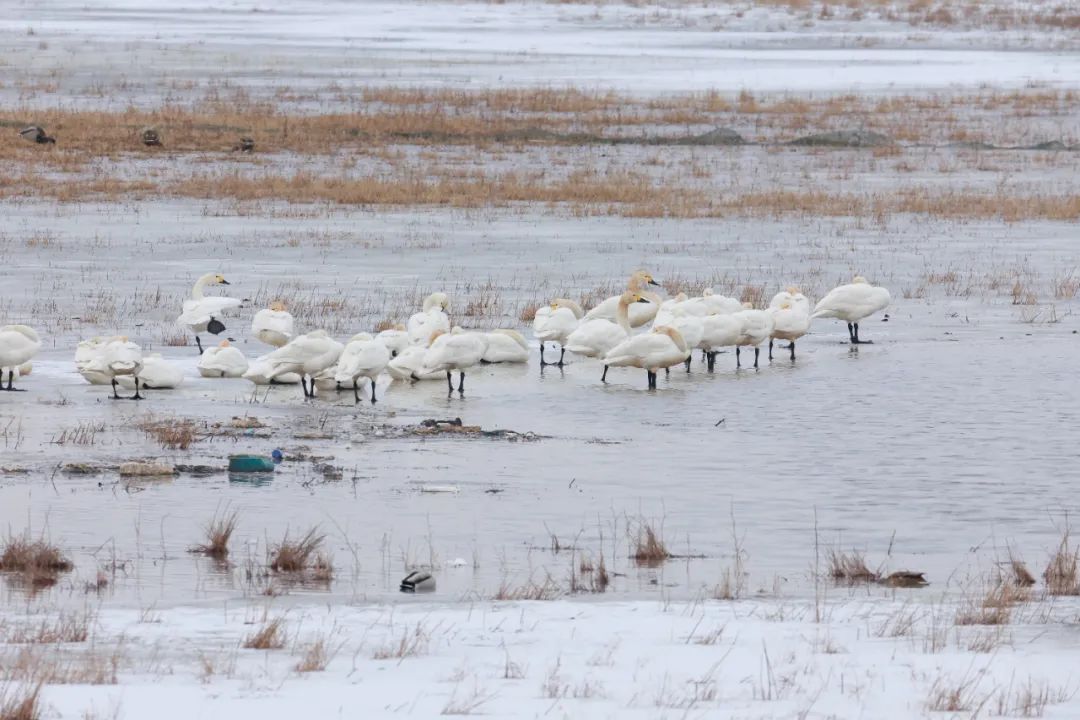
x: 432, y: 318
x: 852, y: 303
x: 223, y: 361
x: 554, y: 323
x: 273, y: 325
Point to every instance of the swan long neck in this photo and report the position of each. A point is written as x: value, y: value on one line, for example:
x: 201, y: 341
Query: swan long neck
x: 622, y: 315
x: 197, y: 288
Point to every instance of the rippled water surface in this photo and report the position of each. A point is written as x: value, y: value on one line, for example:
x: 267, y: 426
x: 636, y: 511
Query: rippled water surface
x: 938, y: 447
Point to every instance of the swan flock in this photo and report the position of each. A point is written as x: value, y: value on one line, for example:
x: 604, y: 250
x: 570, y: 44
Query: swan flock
x: 636, y: 328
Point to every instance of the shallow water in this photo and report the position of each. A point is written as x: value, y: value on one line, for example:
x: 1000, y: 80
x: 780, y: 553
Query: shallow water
x: 943, y: 443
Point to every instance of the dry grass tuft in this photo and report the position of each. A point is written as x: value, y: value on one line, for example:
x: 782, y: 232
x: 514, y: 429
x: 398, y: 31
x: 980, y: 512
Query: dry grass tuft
x: 953, y: 696
x: 547, y: 590
x: 45, y: 664
x: 1030, y: 699
x: 271, y: 636
x: 20, y: 702
x: 850, y: 568
x: 649, y: 547
x: 412, y: 642
x: 218, y: 532
x: 36, y: 562
x: 171, y: 434
x: 995, y: 608
x: 66, y: 628
x: 317, y: 655
x: 294, y: 556
x: 1061, y: 575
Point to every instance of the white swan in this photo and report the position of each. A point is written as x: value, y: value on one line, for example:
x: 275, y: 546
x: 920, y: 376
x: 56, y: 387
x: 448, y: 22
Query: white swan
x: 717, y: 331
x: 18, y: 344
x: 596, y: 337
x: 157, y: 374
x: 554, y: 323
x: 259, y: 372
x: 757, y: 328
x: 433, y: 317
x: 456, y: 350
x: 852, y: 303
x: 791, y: 317
x: 666, y: 310
x: 273, y: 325
x: 505, y: 346
x: 690, y: 325
x: 608, y: 309
x: 661, y: 348
x: 409, y: 365
x: 121, y: 357
x: 306, y: 355
x: 363, y: 356
x: 223, y: 361
x: 719, y: 304
x: 395, y: 339
x: 201, y: 313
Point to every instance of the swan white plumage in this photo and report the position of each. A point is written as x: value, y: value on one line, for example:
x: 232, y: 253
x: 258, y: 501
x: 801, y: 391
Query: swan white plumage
x: 554, y: 323
x: 432, y: 318
x: 690, y: 325
x: 223, y: 361
x: 505, y: 346
x: 18, y: 344
x: 202, y: 313
x: 757, y: 328
x: 456, y: 350
x: 852, y: 303
x: 717, y: 331
x: 596, y: 337
x: 409, y: 363
x: 259, y: 372
x: 719, y: 304
x: 396, y: 339
x: 791, y: 317
x: 663, y: 347
x: 273, y: 325
x: 157, y: 373
x: 364, y: 356
x: 306, y: 355
x: 120, y: 357
x: 640, y: 314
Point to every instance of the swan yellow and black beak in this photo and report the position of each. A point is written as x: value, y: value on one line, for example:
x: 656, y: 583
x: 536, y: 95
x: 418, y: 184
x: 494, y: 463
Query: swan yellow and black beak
x: 653, y: 282
x: 224, y: 282
x: 642, y: 300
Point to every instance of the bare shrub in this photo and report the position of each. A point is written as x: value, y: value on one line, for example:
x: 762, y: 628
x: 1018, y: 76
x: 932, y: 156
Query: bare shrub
x: 170, y: 434
x: 218, y: 532
x: 994, y: 608
x: 271, y: 636
x: 317, y: 655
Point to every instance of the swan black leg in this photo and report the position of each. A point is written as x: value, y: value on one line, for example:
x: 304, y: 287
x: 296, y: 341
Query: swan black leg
x: 687, y: 363
x: 199, y: 343
x: 793, y: 351
x: 711, y: 360
x: 770, y: 348
x: 562, y: 352
x: 757, y: 351
x: 667, y: 372
x: 356, y: 392
x: 542, y: 353
x: 372, y: 392
x: 738, y: 364
x: 603, y: 378
x: 450, y: 381
x: 115, y: 395
x: 855, y: 338
x: 136, y: 396
x: 461, y: 383
x: 851, y: 333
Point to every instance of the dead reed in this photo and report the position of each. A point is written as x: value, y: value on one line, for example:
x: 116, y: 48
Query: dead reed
x: 271, y: 636
x: 171, y: 434
x: 35, y: 562
x: 850, y: 568
x: 413, y: 641
x: 20, y: 701
x: 316, y: 656
x: 65, y: 628
x: 649, y: 547
x: 218, y: 532
x: 1062, y: 576
x: 994, y: 607
x: 297, y: 556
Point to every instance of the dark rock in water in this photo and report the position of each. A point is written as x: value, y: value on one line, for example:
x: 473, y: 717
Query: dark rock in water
x: 1049, y: 145
x: 972, y: 145
x: 844, y: 138
x: 418, y: 581
x: 199, y: 469
x: 717, y: 136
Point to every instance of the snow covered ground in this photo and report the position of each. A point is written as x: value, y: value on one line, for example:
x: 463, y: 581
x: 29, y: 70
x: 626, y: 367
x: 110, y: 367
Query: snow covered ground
x: 868, y: 657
